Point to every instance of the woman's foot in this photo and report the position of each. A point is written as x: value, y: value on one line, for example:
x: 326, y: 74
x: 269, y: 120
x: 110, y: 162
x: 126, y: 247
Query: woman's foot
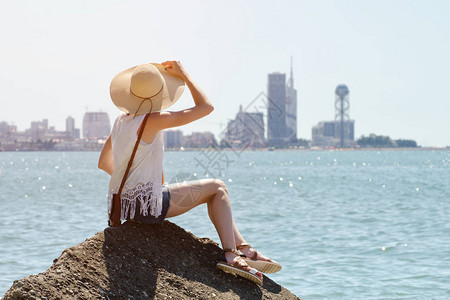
x: 251, y: 253
x: 233, y: 258
x: 257, y: 260
x: 231, y: 262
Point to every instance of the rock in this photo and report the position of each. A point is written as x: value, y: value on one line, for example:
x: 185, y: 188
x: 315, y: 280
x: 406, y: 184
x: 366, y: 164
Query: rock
x: 135, y: 261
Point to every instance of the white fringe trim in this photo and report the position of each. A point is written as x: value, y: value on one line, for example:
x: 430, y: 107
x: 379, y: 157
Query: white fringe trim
x: 149, y: 196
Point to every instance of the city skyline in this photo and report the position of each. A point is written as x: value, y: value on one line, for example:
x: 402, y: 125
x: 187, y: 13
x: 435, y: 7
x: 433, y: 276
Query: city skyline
x: 393, y: 55
x: 41, y: 136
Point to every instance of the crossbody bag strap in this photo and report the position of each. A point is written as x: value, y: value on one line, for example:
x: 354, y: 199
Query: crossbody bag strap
x: 141, y: 131
x: 114, y: 217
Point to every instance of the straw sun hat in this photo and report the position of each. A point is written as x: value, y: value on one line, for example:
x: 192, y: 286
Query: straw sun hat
x: 145, y: 88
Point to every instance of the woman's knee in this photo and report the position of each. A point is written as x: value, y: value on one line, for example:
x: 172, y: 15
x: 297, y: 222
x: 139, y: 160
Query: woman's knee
x: 189, y: 194
x: 221, y: 186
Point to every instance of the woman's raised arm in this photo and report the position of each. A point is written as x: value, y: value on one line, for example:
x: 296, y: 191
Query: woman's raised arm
x: 203, y: 107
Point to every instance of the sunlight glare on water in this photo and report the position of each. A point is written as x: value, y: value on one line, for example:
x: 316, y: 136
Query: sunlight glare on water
x: 359, y: 224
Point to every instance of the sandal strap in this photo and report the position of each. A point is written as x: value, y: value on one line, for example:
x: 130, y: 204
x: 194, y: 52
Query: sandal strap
x: 232, y: 250
x: 255, y: 253
x: 243, y: 245
x: 239, y: 262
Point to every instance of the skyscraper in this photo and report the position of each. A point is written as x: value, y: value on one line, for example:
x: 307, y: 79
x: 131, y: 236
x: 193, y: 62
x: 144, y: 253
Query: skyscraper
x: 173, y: 138
x: 70, y: 124
x: 276, y: 109
x: 96, y: 125
x: 291, y: 109
x: 246, y: 130
x: 38, y: 129
x: 70, y: 128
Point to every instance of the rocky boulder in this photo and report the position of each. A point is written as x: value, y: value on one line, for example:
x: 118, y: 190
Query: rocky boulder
x: 135, y: 261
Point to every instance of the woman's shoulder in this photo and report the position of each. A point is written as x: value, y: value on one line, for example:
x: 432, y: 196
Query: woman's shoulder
x: 127, y: 119
x: 122, y: 116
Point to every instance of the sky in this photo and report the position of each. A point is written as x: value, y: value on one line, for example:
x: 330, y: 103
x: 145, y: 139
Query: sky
x: 57, y: 58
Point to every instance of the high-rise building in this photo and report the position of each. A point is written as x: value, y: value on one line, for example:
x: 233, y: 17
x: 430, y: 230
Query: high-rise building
x: 96, y: 125
x: 246, y: 130
x: 291, y: 109
x: 70, y: 124
x: 38, y: 130
x: 200, y: 140
x: 173, y: 138
x: 7, y: 132
x: 76, y: 133
x: 276, y: 109
x: 70, y: 128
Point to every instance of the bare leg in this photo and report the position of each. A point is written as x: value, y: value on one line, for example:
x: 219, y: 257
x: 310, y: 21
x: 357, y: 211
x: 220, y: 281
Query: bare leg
x: 187, y: 195
x: 238, y: 239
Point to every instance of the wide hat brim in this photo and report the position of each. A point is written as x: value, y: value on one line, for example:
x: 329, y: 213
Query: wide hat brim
x: 125, y: 100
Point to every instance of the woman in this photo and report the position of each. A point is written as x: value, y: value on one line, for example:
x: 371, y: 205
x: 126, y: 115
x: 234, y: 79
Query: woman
x: 150, y: 88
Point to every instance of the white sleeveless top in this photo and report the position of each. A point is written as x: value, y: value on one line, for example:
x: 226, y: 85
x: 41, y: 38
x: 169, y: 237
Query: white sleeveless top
x: 144, y: 182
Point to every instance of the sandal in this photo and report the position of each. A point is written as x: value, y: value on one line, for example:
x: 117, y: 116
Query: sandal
x: 264, y: 266
x: 237, y: 266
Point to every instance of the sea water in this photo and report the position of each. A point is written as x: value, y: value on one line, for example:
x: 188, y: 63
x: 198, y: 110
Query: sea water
x: 343, y: 224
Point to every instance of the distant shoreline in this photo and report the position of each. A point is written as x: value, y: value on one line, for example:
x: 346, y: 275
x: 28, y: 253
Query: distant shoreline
x: 266, y: 149
x: 322, y: 149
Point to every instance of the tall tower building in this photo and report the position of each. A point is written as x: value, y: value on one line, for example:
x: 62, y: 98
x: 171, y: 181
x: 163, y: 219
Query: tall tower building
x: 276, y: 109
x: 341, y: 114
x: 340, y: 132
x: 96, y: 125
x: 70, y: 124
x: 246, y: 130
x: 70, y: 128
x: 291, y: 109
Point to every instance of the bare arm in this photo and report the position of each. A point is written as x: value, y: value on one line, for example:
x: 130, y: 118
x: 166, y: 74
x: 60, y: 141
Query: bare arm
x: 202, y: 108
x: 106, y: 160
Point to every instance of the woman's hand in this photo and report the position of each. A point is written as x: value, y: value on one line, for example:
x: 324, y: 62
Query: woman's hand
x: 175, y: 68
x: 203, y: 107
